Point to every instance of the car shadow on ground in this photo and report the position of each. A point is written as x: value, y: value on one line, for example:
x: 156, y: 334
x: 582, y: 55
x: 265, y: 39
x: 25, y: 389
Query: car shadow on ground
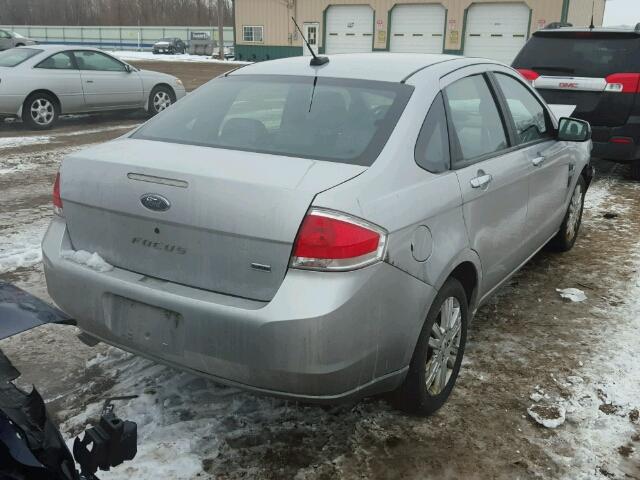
x: 15, y: 126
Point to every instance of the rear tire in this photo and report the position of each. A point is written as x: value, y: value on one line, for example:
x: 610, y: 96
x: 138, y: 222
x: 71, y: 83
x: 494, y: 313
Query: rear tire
x: 568, y: 234
x: 40, y: 111
x: 635, y: 170
x: 160, y: 99
x: 436, y: 361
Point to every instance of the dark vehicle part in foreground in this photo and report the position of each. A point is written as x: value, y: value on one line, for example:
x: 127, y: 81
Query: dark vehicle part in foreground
x: 31, y: 446
x: 598, y: 71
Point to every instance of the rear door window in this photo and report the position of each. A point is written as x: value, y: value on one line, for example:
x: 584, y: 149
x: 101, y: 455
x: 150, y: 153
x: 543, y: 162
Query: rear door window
x: 478, y: 127
x: 529, y: 116
x: 347, y: 121
x: 581, y: 55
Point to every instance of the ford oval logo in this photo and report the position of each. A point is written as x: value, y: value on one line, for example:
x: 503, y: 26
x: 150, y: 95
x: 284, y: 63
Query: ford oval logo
x: 155, y: 202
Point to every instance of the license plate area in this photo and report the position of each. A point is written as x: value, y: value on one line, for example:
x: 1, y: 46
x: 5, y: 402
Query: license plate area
x: 144, y: 327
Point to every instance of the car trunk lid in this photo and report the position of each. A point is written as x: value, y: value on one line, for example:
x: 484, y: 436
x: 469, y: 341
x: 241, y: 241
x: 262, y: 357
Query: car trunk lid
x: 231, y: 220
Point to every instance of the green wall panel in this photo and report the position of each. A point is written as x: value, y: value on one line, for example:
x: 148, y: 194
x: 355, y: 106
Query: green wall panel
x: 259, y: 53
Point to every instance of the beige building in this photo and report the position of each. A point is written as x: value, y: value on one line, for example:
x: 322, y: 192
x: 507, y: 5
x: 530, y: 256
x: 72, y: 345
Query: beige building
x: 489, y: 28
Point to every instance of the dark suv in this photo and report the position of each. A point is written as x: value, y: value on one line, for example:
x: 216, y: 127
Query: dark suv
x: 598, y: 71
x: 170, y: 46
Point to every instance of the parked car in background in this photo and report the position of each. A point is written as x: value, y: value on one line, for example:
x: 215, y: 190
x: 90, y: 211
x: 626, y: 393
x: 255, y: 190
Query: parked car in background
x: 169, y: 46
x: 39, y: 84
x: 318, y: 233
x: 598, y: 71
x: 12, y: 39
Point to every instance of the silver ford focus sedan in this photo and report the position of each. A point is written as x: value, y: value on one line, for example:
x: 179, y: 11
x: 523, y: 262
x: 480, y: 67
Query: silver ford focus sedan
x: 318, y: 232
x: 40, y: 83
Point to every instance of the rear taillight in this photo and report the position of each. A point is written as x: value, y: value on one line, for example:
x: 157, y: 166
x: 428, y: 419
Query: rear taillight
x: 529, y: 75
x: 57, y: 200
x: 334, y: 241
x: 623, y: 83
x: 621, y: 140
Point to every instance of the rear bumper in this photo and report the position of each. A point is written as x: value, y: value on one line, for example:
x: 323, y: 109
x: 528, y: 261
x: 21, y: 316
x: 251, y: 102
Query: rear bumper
x: 324, y: 337
x: 616, y: 152
x: 603, y: 148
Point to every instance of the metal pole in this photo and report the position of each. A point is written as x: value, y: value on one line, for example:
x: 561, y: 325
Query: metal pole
x: 221, y: 29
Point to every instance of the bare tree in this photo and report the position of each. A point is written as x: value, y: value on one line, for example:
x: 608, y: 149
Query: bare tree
x: 114, y: 12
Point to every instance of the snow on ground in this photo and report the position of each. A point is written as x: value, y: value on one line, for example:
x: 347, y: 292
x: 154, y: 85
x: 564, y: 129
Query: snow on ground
x: 20, y: 247
x: 19, y: 162
x: 132, y: 55
x: 91, y: 131
x: 16, y: 142
x: 597, y: 194
x: 602, y: 402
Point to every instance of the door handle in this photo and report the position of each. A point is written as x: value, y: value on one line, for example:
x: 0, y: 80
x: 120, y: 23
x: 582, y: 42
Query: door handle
x: 538, y: 161
x: 89, y: 81
x: 481, y: 181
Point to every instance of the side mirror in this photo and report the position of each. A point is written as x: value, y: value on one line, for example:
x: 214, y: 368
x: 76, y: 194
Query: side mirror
x: 128, y: 68
x: 573, y: 130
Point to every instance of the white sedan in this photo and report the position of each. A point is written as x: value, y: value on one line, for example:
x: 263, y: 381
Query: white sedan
x: 40, y: 83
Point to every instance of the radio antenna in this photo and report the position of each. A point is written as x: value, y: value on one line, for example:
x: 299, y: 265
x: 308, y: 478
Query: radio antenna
x: 316, y: 61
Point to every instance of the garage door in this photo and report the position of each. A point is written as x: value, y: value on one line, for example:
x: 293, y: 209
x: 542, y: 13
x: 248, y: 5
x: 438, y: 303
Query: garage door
x: 417, y: 28
x: 496, y: 30
x: 349, y: 29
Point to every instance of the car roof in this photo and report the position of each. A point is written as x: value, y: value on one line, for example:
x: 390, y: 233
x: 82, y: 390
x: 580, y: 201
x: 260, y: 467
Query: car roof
x: 389, y: 67
x: 51, y: 48
x: 553, y: 32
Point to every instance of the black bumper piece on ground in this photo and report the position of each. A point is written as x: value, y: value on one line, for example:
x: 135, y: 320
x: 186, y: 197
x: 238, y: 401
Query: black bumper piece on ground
x: 20, y: 311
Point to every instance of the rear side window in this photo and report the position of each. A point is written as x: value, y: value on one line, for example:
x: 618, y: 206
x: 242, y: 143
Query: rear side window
x: 15, y: 56
x: 346, y: 121
x: 432, y: 148
x: 477, y: 124
x: 529, y: 116
x: 59, y: 61
x: 580, y: 55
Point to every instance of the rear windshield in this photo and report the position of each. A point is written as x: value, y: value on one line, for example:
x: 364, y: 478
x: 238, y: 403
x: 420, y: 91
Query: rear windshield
x: 580, y: 56
x: 347, y: 121
x: 15, y: 56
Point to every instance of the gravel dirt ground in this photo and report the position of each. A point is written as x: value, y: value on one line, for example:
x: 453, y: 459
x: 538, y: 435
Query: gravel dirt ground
x: 527, y: 348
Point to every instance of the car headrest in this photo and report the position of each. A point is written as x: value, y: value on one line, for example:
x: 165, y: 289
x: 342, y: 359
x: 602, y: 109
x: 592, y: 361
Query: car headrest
x: 243, y: 132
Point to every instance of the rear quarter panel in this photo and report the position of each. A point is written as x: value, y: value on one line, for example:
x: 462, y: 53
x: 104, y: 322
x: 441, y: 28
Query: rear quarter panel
x: 21, y: 81
x: 416, y: 207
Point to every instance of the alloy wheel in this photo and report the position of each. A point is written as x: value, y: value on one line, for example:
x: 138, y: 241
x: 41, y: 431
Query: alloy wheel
x: 42, y: 112
x: 161, y: 101
x: 575, y: 210
x: 444, y: 345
